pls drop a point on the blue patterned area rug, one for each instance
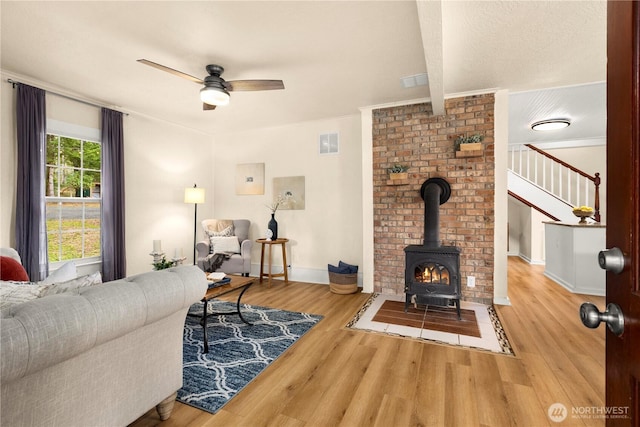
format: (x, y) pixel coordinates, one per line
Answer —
(237, 352)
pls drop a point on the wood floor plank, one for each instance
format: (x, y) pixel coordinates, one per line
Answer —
(491, 393)
(338, 376)
(394, 411)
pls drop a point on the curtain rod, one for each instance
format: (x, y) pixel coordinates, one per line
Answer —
(82, 101)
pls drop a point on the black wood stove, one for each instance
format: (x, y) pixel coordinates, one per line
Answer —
(432, 271)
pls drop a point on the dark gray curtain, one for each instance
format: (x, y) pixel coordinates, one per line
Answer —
(112, 241)
(31, 232)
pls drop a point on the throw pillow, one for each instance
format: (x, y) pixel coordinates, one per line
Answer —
(339, 269)
(224, 244)
(66, 272)
(73, 284)
(216, 225)
(224, 233)
(352, 269)
(12, 293)
(10, 269)
(11, 253)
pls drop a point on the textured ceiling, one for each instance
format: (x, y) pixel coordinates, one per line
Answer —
(585, 106)
(334, 57)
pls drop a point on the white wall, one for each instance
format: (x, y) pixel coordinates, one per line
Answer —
(526, 232)
(161, 159)
(329, 228)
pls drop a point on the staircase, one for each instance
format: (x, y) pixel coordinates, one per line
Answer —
(550, 185)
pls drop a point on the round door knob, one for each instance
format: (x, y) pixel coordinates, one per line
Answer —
(611, 260)
(591, 317)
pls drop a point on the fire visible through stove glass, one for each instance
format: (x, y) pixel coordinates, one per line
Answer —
(432, 273)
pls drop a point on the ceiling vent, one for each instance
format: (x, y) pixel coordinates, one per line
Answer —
(415, 80)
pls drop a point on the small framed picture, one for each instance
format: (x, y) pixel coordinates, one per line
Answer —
(250, 179)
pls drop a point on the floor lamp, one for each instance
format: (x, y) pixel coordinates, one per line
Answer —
(194, 195)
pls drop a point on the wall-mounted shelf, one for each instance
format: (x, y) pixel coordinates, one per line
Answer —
(397, 182)
(469, 153)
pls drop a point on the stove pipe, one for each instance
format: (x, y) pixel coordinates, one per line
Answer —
(434, 192)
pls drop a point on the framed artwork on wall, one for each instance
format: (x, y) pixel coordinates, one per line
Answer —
(250, 179)
(290, 190)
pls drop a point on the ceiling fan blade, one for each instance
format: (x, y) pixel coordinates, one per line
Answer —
(206, 107)
(238, 85)
(170, 70)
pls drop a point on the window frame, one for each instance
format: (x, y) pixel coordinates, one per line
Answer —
(84, 134)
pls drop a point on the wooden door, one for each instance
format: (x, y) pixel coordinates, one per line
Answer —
(623, 207)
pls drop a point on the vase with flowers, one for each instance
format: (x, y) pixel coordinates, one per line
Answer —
(273, 224)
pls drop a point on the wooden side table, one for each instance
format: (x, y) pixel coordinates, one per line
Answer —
(270, 243)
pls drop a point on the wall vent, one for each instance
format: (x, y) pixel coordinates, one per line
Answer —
(329, 143)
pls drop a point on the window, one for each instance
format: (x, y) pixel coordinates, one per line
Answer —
(73, 197)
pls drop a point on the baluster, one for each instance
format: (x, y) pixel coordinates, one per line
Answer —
(560, 181)
(512, 158)
(569, 186)
(520, 160)
(586, 192)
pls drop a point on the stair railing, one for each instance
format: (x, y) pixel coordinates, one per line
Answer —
(555, 176)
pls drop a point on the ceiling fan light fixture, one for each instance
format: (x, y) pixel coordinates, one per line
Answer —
(214, 96)
(550, 124)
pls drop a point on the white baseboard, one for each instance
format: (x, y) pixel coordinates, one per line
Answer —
(308, 275)
(502, 301)
(530, 261)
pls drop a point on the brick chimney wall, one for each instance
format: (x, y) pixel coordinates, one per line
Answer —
(412, 136)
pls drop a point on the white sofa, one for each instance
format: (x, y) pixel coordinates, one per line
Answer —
(98, 356)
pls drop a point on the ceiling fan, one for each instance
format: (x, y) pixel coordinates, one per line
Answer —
(216, 90)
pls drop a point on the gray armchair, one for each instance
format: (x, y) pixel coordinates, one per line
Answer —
(238, 263)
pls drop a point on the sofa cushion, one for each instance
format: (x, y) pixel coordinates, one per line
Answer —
(10, 269)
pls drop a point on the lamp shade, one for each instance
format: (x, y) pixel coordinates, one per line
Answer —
(194, 195)
(214, 96)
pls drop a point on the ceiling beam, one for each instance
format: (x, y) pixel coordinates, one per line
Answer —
(430, 18)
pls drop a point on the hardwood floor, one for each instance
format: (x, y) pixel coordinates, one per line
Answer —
(335, 376)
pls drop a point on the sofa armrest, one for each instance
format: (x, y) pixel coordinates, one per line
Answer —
(46, 331)
(245, 248)
(202, 248)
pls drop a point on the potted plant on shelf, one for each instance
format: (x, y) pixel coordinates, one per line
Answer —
(398, 172)
(469, 142)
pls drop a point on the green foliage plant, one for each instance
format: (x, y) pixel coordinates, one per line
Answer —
(398, 168)
(162, 264)
(468, 139)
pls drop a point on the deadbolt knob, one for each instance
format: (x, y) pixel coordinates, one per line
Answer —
(611, 260)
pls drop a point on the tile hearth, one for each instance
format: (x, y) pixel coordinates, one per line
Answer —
(488, 339)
